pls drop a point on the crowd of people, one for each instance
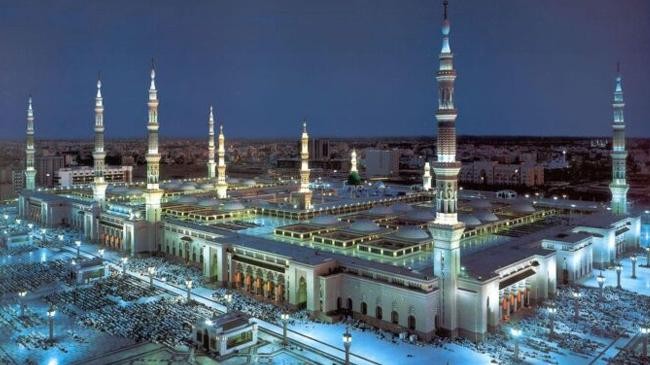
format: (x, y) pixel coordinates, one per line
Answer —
(165, 270)
(30, 276)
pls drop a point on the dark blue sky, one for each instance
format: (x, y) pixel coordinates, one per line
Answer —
(353, 68)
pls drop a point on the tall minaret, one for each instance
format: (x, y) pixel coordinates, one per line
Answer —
(99, 155)
(30, 171)
(353, 161)
(304, 191)
(426, 178)
(618, 186)
(153, 194)
(222, 186)
(211, 164)
(446, 230)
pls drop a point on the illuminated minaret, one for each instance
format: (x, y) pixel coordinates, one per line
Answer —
(353, 161)
(222, 186)
(211, 163)
(446, 230)
(153, 193)
(304, 191)
(426, 178)
(99, 155)
(30, 171)
(618, 186)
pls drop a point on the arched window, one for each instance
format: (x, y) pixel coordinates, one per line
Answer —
(364, 308)
(350, 304)
(394, 317)
(338, 303)
(378, 313)
(411, 322)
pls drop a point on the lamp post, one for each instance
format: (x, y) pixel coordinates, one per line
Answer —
(188, 284)
(78, 244)
(101, 253)
(151, 270)
(601, 282)
(285, 319)
(647, 257)
(516, 332)
(228, 301)
(645, 331)
(633, 259)
(551, 313)
(576, 304)
(50, 315)
(347, 342)
(21, 295)
(124, 260)
(619, 268)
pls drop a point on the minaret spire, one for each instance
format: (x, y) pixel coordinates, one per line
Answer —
(222, 186)
(211, 163)
(446, 230)
(619, 186)
(30, 171)
(153, 194)
(304, 190)
(426, 177)
(353, 161)
(99, 155)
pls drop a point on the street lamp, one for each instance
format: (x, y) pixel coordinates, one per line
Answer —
(601, 282)
(228, 298)
(78, 244)
(347, 342)
(285, 319)
(633, 258)
(619, 268)
(61, 237)
(151, 270)
(22, 295)
(645, 331)
(50, 315)
(551, 312)
(576, 304)
(101, 253)
(516, 332)
(30, 226)
(188, 284)
(124, 260)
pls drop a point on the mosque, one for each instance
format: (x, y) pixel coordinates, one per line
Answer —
(433, 260)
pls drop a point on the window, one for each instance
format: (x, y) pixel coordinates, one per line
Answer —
(411, 322)
(378, 312)
(364, 308)
(394, 317)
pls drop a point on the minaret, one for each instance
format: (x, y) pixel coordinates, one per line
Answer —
(30, 171)
(153, 194)
(426, 178)
(446, 230)
(211, 164)
(618, 186)
(304, 191)
(353, 161)
(99, 155)
(222, 186)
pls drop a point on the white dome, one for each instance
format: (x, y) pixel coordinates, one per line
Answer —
(365, 226)
(486, 216)
(209, 203)
(480, 204)
(411, 233)
(380, 185)
(401, 208)
(325, 220)
(188, 186)
(380, 210)
(233, 205)
(523, 208)
(186, 199)
(206, 186)
(422, 215)
(469, 220)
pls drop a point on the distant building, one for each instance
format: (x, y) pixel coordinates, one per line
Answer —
(382, 162)
(18, 181)
(67, 177)
(494, 173)
(46, 166)
(225, 334)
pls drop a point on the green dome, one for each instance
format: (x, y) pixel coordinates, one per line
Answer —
(354, 179)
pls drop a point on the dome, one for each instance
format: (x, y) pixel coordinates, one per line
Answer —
(422, 215)
(206, 186)
(380, 185)
(380, 210)
(249, 182)
(354, 179)
(188, 186)
(170, 185)
(233, 180)
(233, 205)
(186, 200)
(325, 220)
(209, 203)
(134, 191)
(522, 208)
(469, 220)
(120, 189)
(480, 204)
(411, 233)
(365, 226)
(401, 208)
(486, 216)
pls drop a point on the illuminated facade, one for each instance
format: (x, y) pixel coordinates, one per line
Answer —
(153, 193)
(211, 163)
(99, 155)
(222, 186)
(304, 192)
(619, 186)
(30, 171)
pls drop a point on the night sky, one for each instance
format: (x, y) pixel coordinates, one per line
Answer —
(352, 68)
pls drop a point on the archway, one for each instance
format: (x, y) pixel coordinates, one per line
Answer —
(394, 317)
(411, 323)
(302, 291)
(349, 307)
(364, 308)
(378, 312)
